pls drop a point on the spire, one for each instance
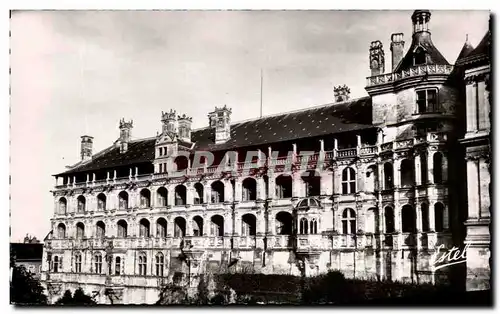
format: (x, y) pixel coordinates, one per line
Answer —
(466, 49)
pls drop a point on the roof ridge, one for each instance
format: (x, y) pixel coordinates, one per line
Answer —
(298, 110)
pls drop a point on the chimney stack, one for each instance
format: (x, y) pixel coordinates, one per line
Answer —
(184, 123)
(397, 49)
(86, 147)
(169, 120)
(220, 120)
(125, 134)
(377, 58)
(341, 93)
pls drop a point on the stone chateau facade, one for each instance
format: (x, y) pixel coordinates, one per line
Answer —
(367, 186)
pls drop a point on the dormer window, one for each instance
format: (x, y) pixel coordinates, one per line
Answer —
(427, 101)
(419, 57)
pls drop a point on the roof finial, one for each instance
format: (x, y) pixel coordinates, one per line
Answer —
(466, 37)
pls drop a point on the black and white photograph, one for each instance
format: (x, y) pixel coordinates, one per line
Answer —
(251, 157)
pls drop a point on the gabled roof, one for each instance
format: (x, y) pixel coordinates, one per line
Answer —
(422, 39)
(316, 121)
(481, 53)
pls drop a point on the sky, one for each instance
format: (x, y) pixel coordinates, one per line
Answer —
(77, 73)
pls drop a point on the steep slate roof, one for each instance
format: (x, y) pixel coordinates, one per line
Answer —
(466, 49)
(481, 53)
(27, 251)
(321, 120)
(421, 39)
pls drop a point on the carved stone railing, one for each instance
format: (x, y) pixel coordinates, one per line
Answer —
(368, 150)
(348, 152)
(431, 69)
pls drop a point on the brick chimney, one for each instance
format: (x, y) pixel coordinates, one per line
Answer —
(125, 134)
(86, 147)
(341, 93)
(397, 49)
(184, 122)
(220, 120)
(377, 58)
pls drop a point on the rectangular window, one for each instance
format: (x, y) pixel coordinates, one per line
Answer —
(427, 101)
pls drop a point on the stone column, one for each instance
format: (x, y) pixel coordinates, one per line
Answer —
(397, 218)
(397, 173)
(432, 217)
(445, 167)
(473, 189)
(430, 167)
(228, 191)
(484, 192)
(296, 185)
(272, 185)
(418, 173)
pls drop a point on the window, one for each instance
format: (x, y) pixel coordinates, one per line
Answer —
(122, 229)
(284, 223)
(180, 195)
(179, 227)
(144, 228)
(197, 226)
(118, 265)
(62, 205)
(78, 263)
(217, 225)
(388, 176)
(101, 201)
(312, 182)
(123, 200)
(284, 186)
(81, 204)
(162, 196)
(181, 163)
(439, 217)
(313, 226)
(161, 228)
(408, 219)
(348, 221)
(98, 264)
(145, 198)
(55, 264)
(407, 173)
(427, 101)
(143, 261)
(159, 264)
(80, 230)
(217, 192)
(303, 226)
(425, 217)
(438, 167)
(249, 191)
(248, 225)
(198, 195)
(348, 181)
(61, 231)
(389, 219)
(100, 229)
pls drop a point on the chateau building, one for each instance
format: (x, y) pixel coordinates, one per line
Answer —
(367, 186)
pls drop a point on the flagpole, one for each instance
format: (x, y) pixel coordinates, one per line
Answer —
(261, 82)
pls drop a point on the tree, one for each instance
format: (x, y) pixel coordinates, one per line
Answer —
(78, 298)
(24, 289)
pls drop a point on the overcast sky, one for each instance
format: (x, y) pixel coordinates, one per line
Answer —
(79, 72)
